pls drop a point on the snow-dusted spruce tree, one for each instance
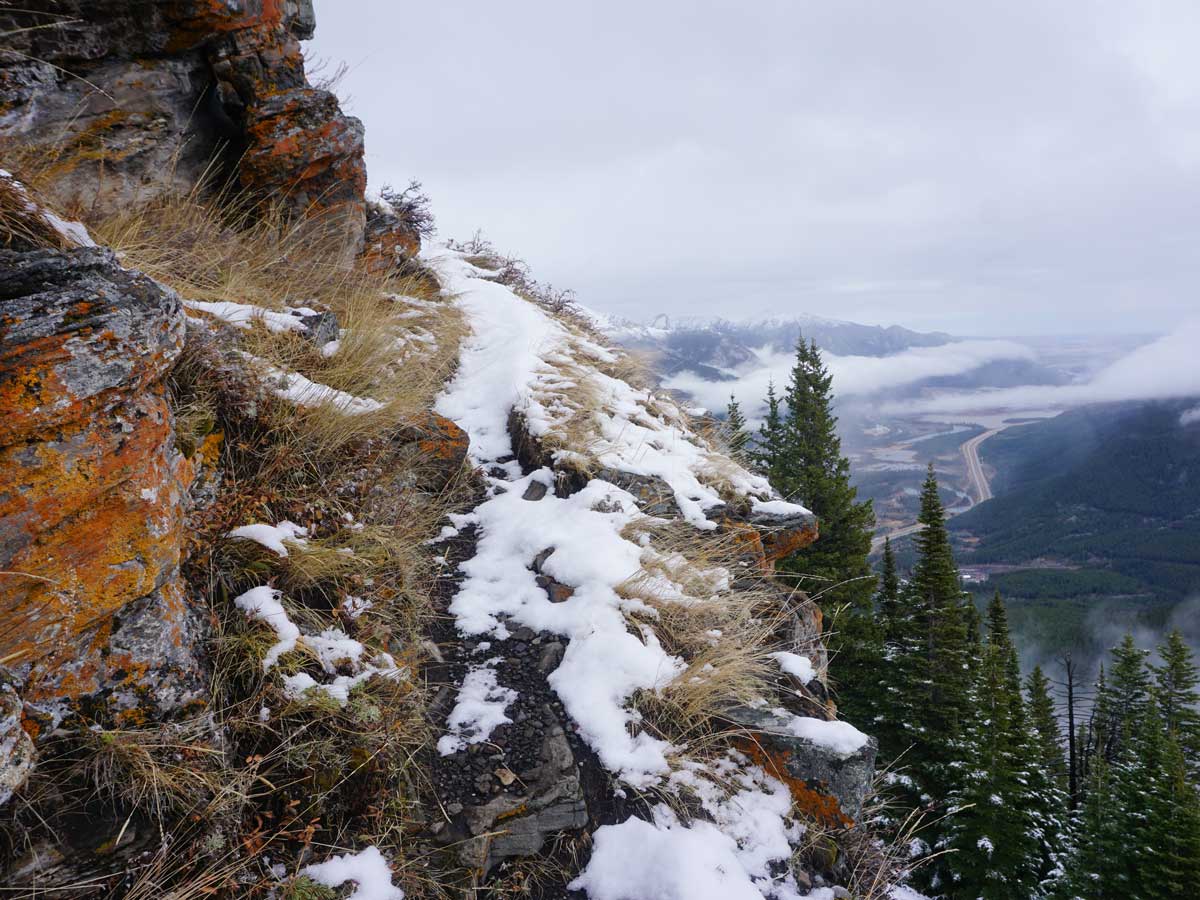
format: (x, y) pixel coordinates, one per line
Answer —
(801, 453)
(929, 669)
(1138, 837)
(735, 425)
(1047, 783)
(933, 666)
(768, 451)
(991, 831)
(1177, 687)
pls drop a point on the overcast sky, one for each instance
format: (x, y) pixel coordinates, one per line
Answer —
(995, 167)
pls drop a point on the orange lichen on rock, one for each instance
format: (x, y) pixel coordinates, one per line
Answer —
(91, 515)
(749, 543)
(780, 544)
(813, 802)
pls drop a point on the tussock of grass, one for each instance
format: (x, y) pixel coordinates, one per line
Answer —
(398, 340)
(725, 628)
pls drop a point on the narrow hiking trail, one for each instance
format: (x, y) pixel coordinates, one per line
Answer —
(559, 607)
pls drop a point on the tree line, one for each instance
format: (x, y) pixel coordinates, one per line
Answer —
(993, 800)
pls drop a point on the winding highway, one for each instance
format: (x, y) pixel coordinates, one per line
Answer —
(970, 452)
(979, 482)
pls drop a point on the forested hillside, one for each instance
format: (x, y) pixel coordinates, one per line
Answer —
(1114, 488)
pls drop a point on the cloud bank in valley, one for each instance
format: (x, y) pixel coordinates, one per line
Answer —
(853, 376)
(1163, 369)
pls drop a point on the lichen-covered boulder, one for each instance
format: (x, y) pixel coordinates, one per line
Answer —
(828, 781)
(93, 499)
(784, 535)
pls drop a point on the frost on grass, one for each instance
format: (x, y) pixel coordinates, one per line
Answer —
(368, 869)
(480, 708)
(273, 537)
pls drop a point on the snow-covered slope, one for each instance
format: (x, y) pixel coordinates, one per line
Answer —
(520, 363)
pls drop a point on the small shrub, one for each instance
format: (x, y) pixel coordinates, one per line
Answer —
(411, 206)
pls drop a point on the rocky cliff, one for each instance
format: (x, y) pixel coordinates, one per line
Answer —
(131, 100)
(341, 559)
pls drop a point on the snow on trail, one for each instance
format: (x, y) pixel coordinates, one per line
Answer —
(520, 358)
(497, 363)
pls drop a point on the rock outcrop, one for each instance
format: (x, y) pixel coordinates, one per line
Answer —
(93, 505)
(129, 100)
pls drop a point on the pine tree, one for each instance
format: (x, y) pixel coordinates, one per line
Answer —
(1045, 725)
(1138, 837)
(1123, 698)
(993, 828)
(940, 680)
(768, 456)
(1047, 783)
(1176, 689)
(812, 469)
(887, 598)
(1176, 827)
(802, 456)
(735, 425)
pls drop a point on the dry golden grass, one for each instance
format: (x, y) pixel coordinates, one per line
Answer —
(164, 770)
(725, 629)
(398, 343)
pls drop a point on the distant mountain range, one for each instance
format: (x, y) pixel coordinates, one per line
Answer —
(711, 347)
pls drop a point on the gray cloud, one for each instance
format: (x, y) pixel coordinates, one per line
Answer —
(999, 167)
(1165, 368)
(853, 376)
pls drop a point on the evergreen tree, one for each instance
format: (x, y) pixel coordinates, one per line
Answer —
(735, 425)
(1122, 699)
(992, 827)
(1139, 835)
(939, 680)
(812, 469)
(1042, 720)
(887, 598)
(768, 456)
(1176, 689)
(802, 456)
(1047, 783)
(1176, 827)
(1093, 869)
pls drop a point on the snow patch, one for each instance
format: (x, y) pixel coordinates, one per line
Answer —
(262, 603)
(800, 667)
(368, 869)
(273, 537)
(481, 706)
(841, 738)
(243, 315)
(604, 664)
